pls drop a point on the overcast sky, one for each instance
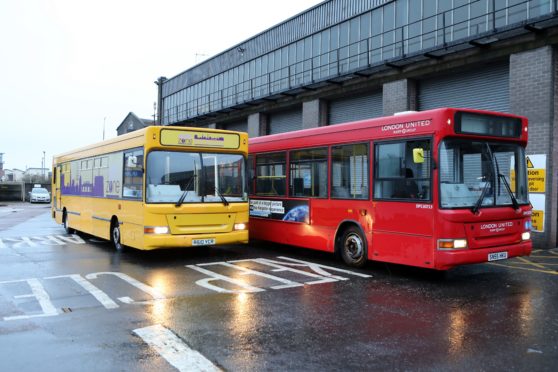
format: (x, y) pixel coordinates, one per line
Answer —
(70, 66)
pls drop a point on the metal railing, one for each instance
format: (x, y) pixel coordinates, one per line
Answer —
(367, 54)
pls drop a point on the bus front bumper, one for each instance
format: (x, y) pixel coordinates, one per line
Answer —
(153, 241)
(446, 259)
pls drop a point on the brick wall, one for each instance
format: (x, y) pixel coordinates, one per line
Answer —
(532, 95)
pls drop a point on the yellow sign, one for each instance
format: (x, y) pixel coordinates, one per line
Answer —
(537, 219)
(529, 163)
(537, 180)
(190, 138)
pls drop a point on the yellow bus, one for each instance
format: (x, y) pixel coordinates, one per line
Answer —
(159, 187)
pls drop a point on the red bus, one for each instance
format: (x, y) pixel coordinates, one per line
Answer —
(432, 189)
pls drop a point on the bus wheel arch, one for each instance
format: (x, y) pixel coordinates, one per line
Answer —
(115, 234)
(351, 244)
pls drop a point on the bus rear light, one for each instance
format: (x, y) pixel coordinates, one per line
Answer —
(452, 244)
(240, 226)
(526, 235)
(158, 230)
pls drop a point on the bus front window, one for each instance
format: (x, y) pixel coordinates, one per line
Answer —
(475, 174)
(188, 177)
(170, 174)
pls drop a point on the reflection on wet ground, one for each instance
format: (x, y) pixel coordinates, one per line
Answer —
(268, 307)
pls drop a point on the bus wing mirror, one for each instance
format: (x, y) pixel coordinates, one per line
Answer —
(418, 155)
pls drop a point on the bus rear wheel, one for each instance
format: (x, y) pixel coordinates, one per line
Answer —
(353, 247)
(115, 236)
(66, 223)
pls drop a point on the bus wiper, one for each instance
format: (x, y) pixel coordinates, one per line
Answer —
(183, 196)
(508, 189)
(225, 201)
(478, 204)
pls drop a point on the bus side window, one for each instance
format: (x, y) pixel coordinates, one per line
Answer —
(308, 173)
(271, 176)
(398, 176)
(133, 174)
(349, 171)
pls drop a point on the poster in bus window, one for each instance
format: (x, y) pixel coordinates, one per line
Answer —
(284, 210)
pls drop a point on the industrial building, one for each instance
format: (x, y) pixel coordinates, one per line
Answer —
(346, 60)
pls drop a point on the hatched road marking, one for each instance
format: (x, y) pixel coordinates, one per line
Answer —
(542, 261)
(174, 350)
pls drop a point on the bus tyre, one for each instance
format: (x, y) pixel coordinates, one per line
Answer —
(66, 223)
(353, 247)
(115, 236)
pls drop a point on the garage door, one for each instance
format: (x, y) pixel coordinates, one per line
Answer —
(285, 121)
(486, 88)
(239, 126)
(355, 108)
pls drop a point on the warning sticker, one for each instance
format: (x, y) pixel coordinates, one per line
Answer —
(536, 173)
(537, 217)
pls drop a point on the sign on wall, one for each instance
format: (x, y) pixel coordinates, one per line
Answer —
(536, 174)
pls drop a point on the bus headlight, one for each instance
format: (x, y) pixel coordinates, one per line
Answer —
(240, 226)
(158, 230)
(452, 244)
(526, 235)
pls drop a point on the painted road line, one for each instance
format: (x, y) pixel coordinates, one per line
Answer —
(552, 272)
(174, 350)
(531, 263)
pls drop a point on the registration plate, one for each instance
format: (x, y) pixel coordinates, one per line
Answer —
(497, 256)
(203, 241)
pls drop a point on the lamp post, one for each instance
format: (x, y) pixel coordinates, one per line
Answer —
(44, 164)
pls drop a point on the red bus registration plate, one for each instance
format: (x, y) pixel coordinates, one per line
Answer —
(497, 256)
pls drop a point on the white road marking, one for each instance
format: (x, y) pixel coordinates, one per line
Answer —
(39, 294)
(101, 296)
(174, 350)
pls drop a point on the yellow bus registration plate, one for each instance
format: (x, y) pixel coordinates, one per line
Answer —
(203, 241)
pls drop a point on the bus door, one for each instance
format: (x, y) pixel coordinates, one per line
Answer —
(403, 210)
(56, 202)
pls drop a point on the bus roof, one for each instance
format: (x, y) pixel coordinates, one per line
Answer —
(129, 140)
(424, 123)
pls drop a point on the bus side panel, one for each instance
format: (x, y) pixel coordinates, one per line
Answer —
(403, 233)
(330, 214)
(78, 212)
(131, 217)
(290, 233)
(402, 249)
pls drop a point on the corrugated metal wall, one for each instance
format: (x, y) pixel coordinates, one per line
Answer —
(285, 121)
(355, 108)
(485, 87)
(307, 23)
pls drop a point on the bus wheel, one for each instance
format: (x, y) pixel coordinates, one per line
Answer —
(353, 247)
(115, 236)
(66, 224)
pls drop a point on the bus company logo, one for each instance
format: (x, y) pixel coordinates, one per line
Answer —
(408, 127)
(496, 227)
(185, 139)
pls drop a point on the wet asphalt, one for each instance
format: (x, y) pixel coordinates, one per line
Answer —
(71, 303)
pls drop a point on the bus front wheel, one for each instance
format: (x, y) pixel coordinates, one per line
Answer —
(115, 236)
(353, 247)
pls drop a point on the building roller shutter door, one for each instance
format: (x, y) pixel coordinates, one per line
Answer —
(485, 88)
(239, 126)
(356, 108)
(285, 121)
